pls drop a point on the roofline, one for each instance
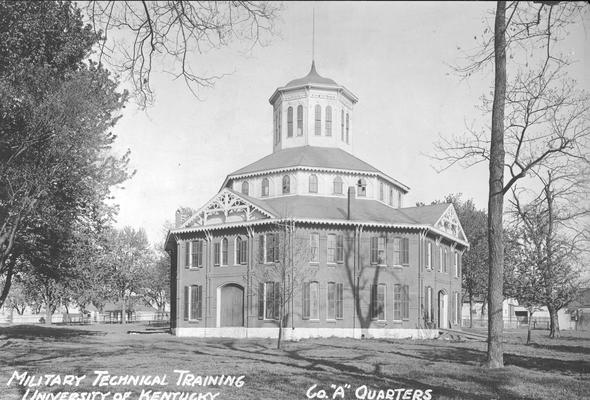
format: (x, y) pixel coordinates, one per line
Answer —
(400, 185)
(351, 96)
(376, 224)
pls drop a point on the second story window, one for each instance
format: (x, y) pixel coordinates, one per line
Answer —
(241, 250)
(347, 128)
(318, 120)
(299, 120)
(245, 188)
(378, 250)
(224, 251)
(290, 122)
(328, 121)
(338, 185)
(314, 248)
(331, 249)
(313, 183)
(286, 184)
(362, 187)
(265, 188)
(401, 251)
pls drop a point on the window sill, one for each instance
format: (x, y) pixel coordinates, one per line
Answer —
(398, 321)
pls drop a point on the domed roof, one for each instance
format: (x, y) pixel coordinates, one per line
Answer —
(311, 78)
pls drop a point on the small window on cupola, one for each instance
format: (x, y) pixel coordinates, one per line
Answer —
(286, 184)
(347, 127)
(245, 188)
(300, 120)
(338, 183)
(318, 120)
(342, 125)
(328, 121)
(290, 122)
(362, 187)
(265, 188)
(313, 183)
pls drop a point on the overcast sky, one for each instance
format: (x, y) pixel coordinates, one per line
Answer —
(394, 56)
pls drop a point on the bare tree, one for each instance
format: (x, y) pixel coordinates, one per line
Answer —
(286, 266)
(175, 32)
(537, 117)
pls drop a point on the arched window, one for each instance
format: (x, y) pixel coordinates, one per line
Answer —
(318, 120)
(245, 188)
(347, 127)
(264, 187)
(290, 122)
(328, 121)
(362, 187)
(381, 192)
(342, 125)
(241, 251)
(338, 185)
(224, 251)
(391, 196)
(313, 183)
(286, 184)
(299, 120)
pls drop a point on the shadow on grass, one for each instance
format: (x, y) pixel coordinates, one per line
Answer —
(44, 332)
(563, 348)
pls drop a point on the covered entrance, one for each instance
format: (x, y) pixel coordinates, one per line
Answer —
(231, 305)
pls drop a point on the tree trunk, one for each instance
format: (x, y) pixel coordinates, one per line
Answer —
(496, 196)
(528, 335)
(123, 309)
(553, 323)
(48, 314)
(470, 311)
(280, 333)
(7, 281)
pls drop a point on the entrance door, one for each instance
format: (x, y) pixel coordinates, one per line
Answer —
(232, 305)
(442, 310)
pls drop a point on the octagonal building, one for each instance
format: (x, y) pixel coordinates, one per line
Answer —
(314, 239)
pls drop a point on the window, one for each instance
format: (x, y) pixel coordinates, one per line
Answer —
(401, 302)
(299, 120)
(401, 251)
(381, 192)
(268, 300)
(459, 265)
(378, 302)
(216, 254)
(224, 251)
(339, 248)
(311, 300)
(428, 255)
(342, 125)
(193, 252)
(338, 185)
(245, 188)
(445, 260)
(318, 120)
(277, 127)
(313, 183)
(335, 300)
(268, 247)
(378, 250)
(347, 127)
(241, 251)
(331, 248)
(286, 184)
(328, 121)
(290, 122)
(314, 247)
(456, 263)
(399, 199)
(428, 305)
(193, 296)
(391, 196)
(362, 187)
(440, 259)
(265, 188)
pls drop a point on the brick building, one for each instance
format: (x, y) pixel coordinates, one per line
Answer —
(352, 260)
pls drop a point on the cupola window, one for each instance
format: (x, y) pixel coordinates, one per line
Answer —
(328, 121)
(299, 120)
(318, 120)
(265, 187)
(347, 127)
(338, 185)
(362, 187)
(290, 122)
(245, 188)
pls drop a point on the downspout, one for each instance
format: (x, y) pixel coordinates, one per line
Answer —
(291, 245)
(358, 255)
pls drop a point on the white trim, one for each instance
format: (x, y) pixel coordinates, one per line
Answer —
(305, 333)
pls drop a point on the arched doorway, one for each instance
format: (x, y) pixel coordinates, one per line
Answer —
(231, 305)
(443, 316)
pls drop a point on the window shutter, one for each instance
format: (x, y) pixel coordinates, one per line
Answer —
(261, 249)
(276, 247)
(187, 254)
(186, 302)
(261, 300)
(277, 299)
(199, 302)
(405, 251)
(373, 305)
(406, 302)
(306, 300)
(339, 301)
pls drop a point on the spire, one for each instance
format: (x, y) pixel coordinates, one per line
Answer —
(313, 39)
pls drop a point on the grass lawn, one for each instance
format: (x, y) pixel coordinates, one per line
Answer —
(548, 369)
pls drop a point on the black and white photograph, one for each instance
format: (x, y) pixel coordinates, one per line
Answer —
(344, 200)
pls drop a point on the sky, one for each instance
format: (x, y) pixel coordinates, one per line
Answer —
(396, 57)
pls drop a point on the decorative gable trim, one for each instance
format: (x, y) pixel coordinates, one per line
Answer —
(226, 202)
(449, 223)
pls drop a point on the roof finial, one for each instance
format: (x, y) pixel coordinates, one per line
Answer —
(313, 38)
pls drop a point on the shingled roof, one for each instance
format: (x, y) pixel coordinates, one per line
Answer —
(313, 157)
